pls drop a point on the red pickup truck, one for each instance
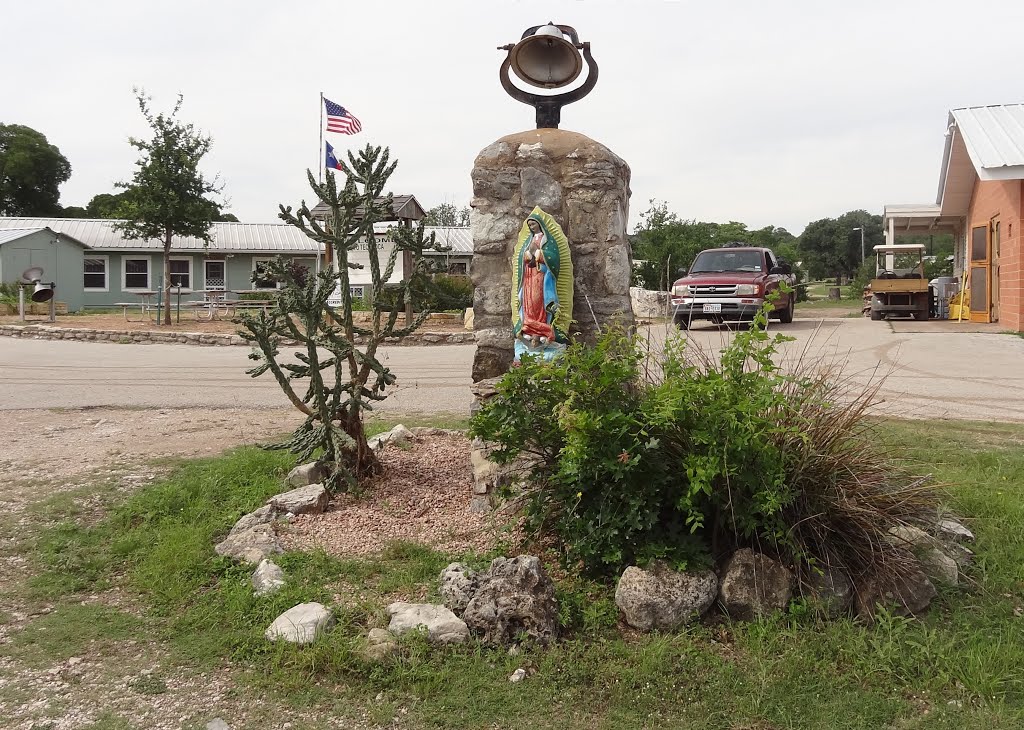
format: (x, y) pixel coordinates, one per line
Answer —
(731, 284)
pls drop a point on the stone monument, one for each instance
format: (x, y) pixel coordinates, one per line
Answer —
(578, 182)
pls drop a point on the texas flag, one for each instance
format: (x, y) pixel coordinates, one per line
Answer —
(332, 162)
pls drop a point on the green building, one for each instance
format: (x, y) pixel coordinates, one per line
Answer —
(59, 255)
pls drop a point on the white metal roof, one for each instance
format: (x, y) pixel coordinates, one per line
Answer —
(230, 237)
(8, 234)
(460, 240)
(916, 218)
(982, 143)
(994, 136)
(233, 237)
(13, 234)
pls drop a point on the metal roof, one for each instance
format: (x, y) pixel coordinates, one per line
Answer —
(459, 239)
(229, 237)
(403, 207)
(917, 218)
(11, 233)
(982, 143)
(994, 136)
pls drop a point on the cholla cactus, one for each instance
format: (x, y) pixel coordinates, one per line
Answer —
(342, 386)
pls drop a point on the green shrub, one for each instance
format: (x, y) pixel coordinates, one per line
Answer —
(9, 293)
(450, 292)
(686, 456)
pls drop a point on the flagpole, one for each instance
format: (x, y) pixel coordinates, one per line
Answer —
(320, 152)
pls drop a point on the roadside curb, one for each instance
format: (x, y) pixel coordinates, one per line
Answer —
(136, 337)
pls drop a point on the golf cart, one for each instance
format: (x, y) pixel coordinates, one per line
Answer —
(899, 286)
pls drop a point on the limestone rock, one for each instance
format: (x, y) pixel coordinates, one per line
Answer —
(301, 624)
(962, 555)
(517, 676)
(515, 598)
(217, 724)
(903, 595)
(649, 304)
(306, 474)
(250, 545)
(664, 599)
(442, 626)
(267, 578)
(953, 530)
(754, 585)
(467, 319)
(380, 643)
(829, 591)
(908, 537)
(458, 585)
(939, 567)
(265, 515)
(311, 499)
(539, 188)
(398, 435)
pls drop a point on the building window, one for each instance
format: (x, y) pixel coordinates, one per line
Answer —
(356, 292)
(136, 273)
(96, 272)
(457, 269)
(261, 277)
(181, 273)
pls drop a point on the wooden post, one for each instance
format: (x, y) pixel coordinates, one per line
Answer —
(406, 276)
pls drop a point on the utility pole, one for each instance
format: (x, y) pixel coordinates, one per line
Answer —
(862, 254)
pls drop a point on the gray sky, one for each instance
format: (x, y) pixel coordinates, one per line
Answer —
(763, 112)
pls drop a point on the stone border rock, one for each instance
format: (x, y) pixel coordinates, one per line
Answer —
(136, 337)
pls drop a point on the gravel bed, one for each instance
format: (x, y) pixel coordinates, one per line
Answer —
(422, 496)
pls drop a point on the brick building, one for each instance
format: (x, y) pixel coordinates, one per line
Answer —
(980, 201)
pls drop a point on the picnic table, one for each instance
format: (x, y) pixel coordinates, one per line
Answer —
(213, 302)
(145, 304)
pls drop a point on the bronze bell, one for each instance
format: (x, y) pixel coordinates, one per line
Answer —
(547, 58)
(42, 292)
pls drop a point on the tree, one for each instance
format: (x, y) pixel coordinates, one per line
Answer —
(663, 243)
(830, 247)
(108, 205)
(31, 172)
(342, 385)
(167, 194)
(446, 215)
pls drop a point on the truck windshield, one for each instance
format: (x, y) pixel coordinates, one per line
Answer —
(721, 261)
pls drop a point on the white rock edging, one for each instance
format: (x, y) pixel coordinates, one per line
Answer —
(301, 624)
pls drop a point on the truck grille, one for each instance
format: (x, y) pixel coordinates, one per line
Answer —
(715, 290)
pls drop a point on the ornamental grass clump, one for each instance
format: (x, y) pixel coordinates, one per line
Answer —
(685, 456)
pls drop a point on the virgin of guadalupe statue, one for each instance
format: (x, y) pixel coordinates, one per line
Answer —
(541, 287)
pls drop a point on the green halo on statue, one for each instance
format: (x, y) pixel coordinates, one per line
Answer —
(542, 284)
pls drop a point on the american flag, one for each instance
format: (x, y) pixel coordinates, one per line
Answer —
(340, 120)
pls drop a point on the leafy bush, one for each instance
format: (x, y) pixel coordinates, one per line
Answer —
(687, 456)
(9, 293)
(450, 292)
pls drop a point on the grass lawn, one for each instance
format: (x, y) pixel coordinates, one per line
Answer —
(960, 666)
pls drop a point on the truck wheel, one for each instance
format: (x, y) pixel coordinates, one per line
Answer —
(786, 315)
(876, 316)
(920, 316)
(682, 324)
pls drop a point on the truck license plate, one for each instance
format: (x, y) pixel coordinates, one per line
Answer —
(713, 308)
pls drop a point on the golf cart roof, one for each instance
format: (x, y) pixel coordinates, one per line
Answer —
(900, 247)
